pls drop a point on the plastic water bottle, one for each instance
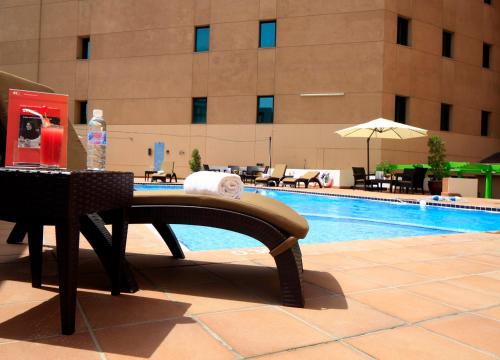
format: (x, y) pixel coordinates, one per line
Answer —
(96, 141)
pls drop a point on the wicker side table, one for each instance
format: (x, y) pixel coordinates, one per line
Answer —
(36, 198)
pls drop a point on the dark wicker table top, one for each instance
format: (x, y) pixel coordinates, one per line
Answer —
(53, 194)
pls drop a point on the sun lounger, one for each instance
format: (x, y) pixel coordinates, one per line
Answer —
(276, 176)
(308, 177)
(271, 222)
(169, 173)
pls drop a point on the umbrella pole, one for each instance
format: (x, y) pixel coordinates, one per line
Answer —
(368, 156)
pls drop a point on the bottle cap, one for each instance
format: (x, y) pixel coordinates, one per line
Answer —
(97, 113)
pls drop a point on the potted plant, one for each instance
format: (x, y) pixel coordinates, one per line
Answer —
(437, 164)
(382, 169)
(195, 162)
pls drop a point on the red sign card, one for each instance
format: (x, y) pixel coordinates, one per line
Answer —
(24, 125)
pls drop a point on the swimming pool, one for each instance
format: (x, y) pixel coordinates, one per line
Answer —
(338, 219)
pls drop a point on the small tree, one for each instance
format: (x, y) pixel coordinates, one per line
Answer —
(436, 157)
(195, 162)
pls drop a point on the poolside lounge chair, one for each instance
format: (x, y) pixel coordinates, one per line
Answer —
(276, 176)
(169, 173)
(269, 221)
(361, 177)
(207, 168)
(308, 177)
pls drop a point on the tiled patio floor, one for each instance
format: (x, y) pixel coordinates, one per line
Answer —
(415, 298)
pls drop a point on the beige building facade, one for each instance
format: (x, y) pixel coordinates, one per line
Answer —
(335, 63)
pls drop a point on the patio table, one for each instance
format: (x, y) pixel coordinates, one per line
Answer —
(35, 198)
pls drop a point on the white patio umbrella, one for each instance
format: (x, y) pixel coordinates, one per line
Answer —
(381, 129)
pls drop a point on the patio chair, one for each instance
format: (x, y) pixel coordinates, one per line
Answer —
(269, 221)
(308, 177)
(168, 173)
(361, 177)
(413, 179)
(207, 168)
(234, 169)
(276, 176)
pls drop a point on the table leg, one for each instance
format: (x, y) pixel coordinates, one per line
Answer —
(118, 244)
(35, 243)
(67, 242)
(17, 234)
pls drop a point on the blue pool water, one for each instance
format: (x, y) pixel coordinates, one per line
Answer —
(337, 219)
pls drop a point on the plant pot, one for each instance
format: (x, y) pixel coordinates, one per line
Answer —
(435, 187)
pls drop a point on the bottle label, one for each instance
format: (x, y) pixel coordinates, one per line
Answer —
(96, 137)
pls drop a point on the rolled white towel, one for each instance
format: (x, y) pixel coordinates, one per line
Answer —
(214, 183)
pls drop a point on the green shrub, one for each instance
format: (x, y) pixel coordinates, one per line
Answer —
(437, 157)
(195, 162)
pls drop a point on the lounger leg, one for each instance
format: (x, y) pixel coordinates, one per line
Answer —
(92, 227)
(289, 264)
(17, 234)
(35, 243)
(170, 239)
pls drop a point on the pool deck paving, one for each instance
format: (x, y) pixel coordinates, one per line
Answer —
(428, 297)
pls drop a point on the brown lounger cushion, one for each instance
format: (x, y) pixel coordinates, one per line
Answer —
(267, 209)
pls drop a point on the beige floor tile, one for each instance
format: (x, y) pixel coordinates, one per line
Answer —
(493, 275)
(338, 282)
(342, 317)
(210, 297)
(485, 259)
(413, 343)
(262, 330)
(74, 347)
(337, 261)
(394, 256)
(177, 339)
(333, 350)
(493, 313)
(454, 295)
(167, 277)
(105, 310)
(473, 330)
(12, 291)
(386, 275)
(403, 304)
(32, 320)
(444, 268)
(479, 283)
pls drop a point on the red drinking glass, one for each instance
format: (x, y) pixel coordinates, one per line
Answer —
(51, 145)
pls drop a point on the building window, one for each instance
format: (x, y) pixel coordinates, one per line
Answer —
(202, 38)
(447, 43)
(486, 55)
(267, 34)
(485, 119)
(265, 109)
(199, 111)
(84, 47)
(81, 112)
(400, 109)
(445, 117)
(403, 32)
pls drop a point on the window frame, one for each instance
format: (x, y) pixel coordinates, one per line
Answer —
(397, 112)
(196, 28)
(486, 55)
(485, 122)
(449, 53)
(399, 35)
(261, 23)
(193, 112)
(258, 119)
(446, 110)
(82, 115)
(83, 47)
